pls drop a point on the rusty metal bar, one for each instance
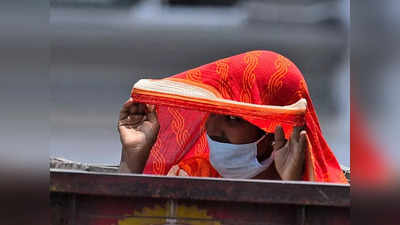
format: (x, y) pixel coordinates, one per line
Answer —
(207, 189)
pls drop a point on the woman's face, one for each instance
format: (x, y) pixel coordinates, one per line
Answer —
(235, 130)
(231, 129)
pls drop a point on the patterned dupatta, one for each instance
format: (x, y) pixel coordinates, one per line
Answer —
(256, 77)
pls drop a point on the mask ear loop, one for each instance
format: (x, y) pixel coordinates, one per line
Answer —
(267, 162)
(261, 138)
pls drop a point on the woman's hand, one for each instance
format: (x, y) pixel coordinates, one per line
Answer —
(290, 155)
(138, 127)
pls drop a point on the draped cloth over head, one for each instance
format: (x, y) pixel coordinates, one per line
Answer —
(256, 77)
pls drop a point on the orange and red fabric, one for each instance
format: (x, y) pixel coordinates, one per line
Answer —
(257, 77)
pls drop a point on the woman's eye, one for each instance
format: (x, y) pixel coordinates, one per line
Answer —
(233, 118)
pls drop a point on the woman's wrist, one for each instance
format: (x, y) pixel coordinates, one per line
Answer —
(133, 160)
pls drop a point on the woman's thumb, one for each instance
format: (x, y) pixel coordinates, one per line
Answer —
(151, 113)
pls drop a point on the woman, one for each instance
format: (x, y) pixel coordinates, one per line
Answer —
(173, 141)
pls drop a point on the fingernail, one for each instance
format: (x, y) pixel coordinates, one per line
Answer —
(150, 107)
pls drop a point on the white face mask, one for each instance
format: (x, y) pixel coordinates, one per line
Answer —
(237, 160)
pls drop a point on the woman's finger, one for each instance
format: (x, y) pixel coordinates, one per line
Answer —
(295, 134)
(303, 141)
(138, 108)
(124, 112)
(127, 105)
(151, 113)
(150, 108)
(279, 138)
(135, 118)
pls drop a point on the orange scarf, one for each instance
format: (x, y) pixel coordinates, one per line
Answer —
(256, 77)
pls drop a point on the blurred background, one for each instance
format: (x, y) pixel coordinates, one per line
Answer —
(100, 48)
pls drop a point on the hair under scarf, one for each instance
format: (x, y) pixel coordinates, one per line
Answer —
(257, 77)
